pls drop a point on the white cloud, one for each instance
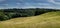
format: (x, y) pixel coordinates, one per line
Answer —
(43, 4)
(18, 3)
(53, 1)
(5, 5)
(2, 0)
(38, 7)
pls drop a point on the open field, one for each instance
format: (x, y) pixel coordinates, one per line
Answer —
(47, 20)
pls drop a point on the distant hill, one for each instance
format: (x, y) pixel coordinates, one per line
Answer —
(47, 20)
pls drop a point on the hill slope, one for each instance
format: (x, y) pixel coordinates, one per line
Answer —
(47, 20)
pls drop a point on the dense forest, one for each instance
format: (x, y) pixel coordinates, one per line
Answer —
(6, 14)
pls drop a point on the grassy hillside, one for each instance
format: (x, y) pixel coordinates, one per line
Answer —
(47, 20)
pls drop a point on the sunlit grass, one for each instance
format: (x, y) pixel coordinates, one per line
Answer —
(47, 20)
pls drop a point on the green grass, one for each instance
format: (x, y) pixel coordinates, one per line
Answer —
(47, 20)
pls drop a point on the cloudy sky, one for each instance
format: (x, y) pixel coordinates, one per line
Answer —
(30, 4)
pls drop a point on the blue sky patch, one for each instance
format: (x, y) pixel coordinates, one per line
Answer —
(30, 4)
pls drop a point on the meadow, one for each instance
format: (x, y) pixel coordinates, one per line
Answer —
(29, 18)
(46, 20)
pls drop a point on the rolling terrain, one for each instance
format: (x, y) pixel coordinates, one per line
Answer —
(47, 20)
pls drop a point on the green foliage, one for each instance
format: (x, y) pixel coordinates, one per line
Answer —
(6, 14)
(3, 16)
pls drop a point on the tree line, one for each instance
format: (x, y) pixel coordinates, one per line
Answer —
(6, 14)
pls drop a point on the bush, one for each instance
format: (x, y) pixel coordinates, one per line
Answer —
(3, 16)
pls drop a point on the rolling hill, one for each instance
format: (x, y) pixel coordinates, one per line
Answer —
(47, 20)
